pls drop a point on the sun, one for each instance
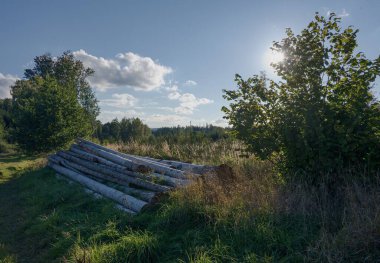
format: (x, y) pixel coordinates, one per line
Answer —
(273, 56)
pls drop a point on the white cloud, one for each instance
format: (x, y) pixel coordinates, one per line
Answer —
(154, 120)
(175, 95)
(120, 100)
(188, 103)
(344, 13)
(166, 119)
(6, 81)
(165, 108)
(126, 69)
(106, 115)
(220, 122)
(173, 87)
(190, 83)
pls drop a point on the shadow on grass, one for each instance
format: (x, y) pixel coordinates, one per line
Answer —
(13, 158)
(47, 219)
(42, 217)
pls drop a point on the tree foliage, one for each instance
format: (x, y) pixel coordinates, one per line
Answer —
(134, 129)
(124, 130)
(68, 72)
(54, 104)
(321, 116)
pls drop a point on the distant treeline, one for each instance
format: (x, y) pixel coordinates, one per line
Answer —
(134, 129)
(127, 129)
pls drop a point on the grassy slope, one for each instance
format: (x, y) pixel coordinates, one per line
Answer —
(46, 219)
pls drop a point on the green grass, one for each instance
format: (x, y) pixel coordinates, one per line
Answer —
(45, 218)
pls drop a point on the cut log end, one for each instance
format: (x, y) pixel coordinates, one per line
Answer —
(143, 169)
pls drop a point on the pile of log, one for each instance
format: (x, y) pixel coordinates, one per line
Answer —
(130, 180)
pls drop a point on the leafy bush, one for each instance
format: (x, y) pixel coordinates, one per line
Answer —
(321, 116)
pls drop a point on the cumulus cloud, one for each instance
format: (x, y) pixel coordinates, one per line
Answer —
(6, 81)
(126, 69)
(175, 95)
(188, 103)
(220, 122)
(120, 100)
(172, 88)
(190, 83)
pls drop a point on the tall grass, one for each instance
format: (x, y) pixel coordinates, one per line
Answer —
(246, 214)
(329, 226)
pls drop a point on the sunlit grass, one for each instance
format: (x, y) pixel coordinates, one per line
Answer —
(248, 215)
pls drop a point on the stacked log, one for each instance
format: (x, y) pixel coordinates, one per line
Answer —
(132, 181)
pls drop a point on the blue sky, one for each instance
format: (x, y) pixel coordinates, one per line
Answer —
(165, 61)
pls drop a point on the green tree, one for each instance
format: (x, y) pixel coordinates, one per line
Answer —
(321, 116)
(134, 129)
(68, 72)
(114, 130)
(53, 105)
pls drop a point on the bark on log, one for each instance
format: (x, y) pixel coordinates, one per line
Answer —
(117, 159)
(80, 152)
(106, 170)
(155, 166)
(141, 194)
(194, 168)
(121, 198)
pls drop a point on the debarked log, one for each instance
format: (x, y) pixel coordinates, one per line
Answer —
(79, 152)
(141, 194)
(117, 159)
(121, 198)
(194, 168)
(155, 166)
(107, 171)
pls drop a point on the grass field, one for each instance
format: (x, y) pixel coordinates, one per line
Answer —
(247, 217)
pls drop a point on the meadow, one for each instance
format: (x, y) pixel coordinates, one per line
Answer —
(248, 214)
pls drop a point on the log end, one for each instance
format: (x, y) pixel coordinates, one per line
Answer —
(143, 169)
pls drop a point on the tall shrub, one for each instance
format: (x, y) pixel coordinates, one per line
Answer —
(321, 115)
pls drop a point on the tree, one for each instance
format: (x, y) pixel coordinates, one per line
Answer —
(115, 129)
(70, 73)
(54, 104)
(134, 129)
(321, 116)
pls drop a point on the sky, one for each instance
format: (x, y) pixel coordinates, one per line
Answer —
(165, 61)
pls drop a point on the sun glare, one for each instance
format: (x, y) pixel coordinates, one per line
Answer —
(273, 57)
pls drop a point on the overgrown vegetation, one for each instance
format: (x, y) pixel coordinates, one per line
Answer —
(321, 117)
(251, 216)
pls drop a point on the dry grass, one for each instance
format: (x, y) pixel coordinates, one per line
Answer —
(248, 214)
(343, 225)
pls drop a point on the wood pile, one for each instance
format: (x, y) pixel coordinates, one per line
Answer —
(130, 180)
